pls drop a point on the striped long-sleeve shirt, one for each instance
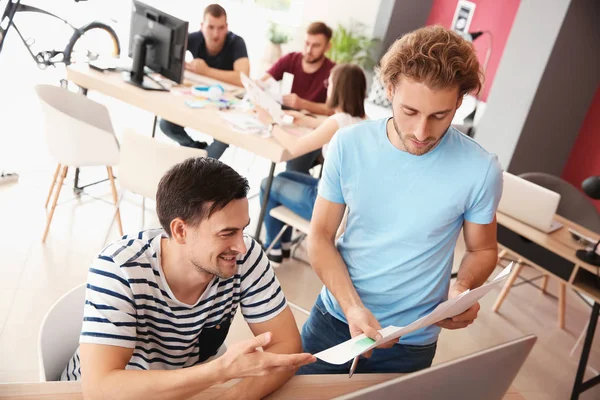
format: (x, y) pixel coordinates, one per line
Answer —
(129, 304)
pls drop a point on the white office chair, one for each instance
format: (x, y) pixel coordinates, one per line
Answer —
(59, 335)
(293, 220)
(79, 133)
(144, 161)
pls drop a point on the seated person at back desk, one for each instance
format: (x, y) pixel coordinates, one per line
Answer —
(159, 304)
(346, 92)
(218, 54)
(311, 70)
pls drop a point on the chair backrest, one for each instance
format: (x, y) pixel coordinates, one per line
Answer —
(59, 334)
(145, 160)
(574, 204)
(79, 131)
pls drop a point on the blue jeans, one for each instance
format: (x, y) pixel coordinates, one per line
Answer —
(322, 331)
(178, 134)
(296, 191)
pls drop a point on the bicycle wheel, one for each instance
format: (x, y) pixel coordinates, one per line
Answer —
(92, 41)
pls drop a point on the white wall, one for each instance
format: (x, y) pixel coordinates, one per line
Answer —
(334, 12)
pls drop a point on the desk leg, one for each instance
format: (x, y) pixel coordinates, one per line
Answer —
(580, 386)
(76, 187)
(263, 207)
(154, 125)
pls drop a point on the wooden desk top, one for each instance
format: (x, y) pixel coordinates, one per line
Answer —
(299, 387)
(172, 107)
(559, 242)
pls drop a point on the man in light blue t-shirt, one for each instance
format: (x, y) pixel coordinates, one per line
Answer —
(411, 183)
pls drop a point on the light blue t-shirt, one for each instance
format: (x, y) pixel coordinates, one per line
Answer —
(405, 215)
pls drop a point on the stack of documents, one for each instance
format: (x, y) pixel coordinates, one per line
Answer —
(243, 122)
(344, 352)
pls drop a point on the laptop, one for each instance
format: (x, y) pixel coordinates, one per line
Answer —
(529, 203)
(487, 374)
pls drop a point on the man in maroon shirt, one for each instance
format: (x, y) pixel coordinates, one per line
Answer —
(311, 71)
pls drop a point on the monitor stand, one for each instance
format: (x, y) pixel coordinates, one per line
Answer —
(137, 74)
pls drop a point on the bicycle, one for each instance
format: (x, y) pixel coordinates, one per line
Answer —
(46, 58)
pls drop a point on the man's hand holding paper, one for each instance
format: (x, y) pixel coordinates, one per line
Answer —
(462, 320)
(463, 305)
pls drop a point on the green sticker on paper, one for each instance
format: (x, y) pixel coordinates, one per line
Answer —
(362, 345)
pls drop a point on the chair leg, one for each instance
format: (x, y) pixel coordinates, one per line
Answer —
(511, 280)
(544, 286)
(276, 239)
(112, 221)
(562, 303)
(579, 339)
(115, 198)
(143, 213)
(63, 175)
(501, 254)
(297, 244)
(52, 185)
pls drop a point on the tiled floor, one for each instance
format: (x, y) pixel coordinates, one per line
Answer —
(33, 276)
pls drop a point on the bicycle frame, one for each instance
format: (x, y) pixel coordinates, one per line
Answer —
(42, 58)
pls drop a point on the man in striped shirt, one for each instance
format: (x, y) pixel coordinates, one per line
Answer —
(159, 304)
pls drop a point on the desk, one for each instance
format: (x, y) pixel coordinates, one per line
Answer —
(299, 387)
(554, 254)
(173, 108)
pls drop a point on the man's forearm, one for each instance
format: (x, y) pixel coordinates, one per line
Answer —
(316, 108)
(333, 272)
(260, 386)
(174, 384)
(231, 77)
(476, 267)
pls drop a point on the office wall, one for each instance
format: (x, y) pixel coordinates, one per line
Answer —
(584, 159)
(371, 13)
(403, 16)
(490, 15)
(333, 12)
(519, 74)
(564, 94)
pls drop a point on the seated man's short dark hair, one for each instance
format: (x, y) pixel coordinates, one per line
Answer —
(320, 28)
(215, 10)
(195, 188)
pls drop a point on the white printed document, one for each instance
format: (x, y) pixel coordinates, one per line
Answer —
(259, 97)
(346, 351)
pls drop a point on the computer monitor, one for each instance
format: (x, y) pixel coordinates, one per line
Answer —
(487, 374)
(158, 41)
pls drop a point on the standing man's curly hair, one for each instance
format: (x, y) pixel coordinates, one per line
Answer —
(436, 56)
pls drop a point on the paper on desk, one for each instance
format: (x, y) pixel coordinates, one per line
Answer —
(346, 351)
(243, 122)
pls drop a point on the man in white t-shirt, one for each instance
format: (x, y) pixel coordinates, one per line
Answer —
(159, 304)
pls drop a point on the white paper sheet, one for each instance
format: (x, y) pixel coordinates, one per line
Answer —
(286, 83)
(259, 97)
(243, 122)
(346, 351)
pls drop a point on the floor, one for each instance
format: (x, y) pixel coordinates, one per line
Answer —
(34, 276)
